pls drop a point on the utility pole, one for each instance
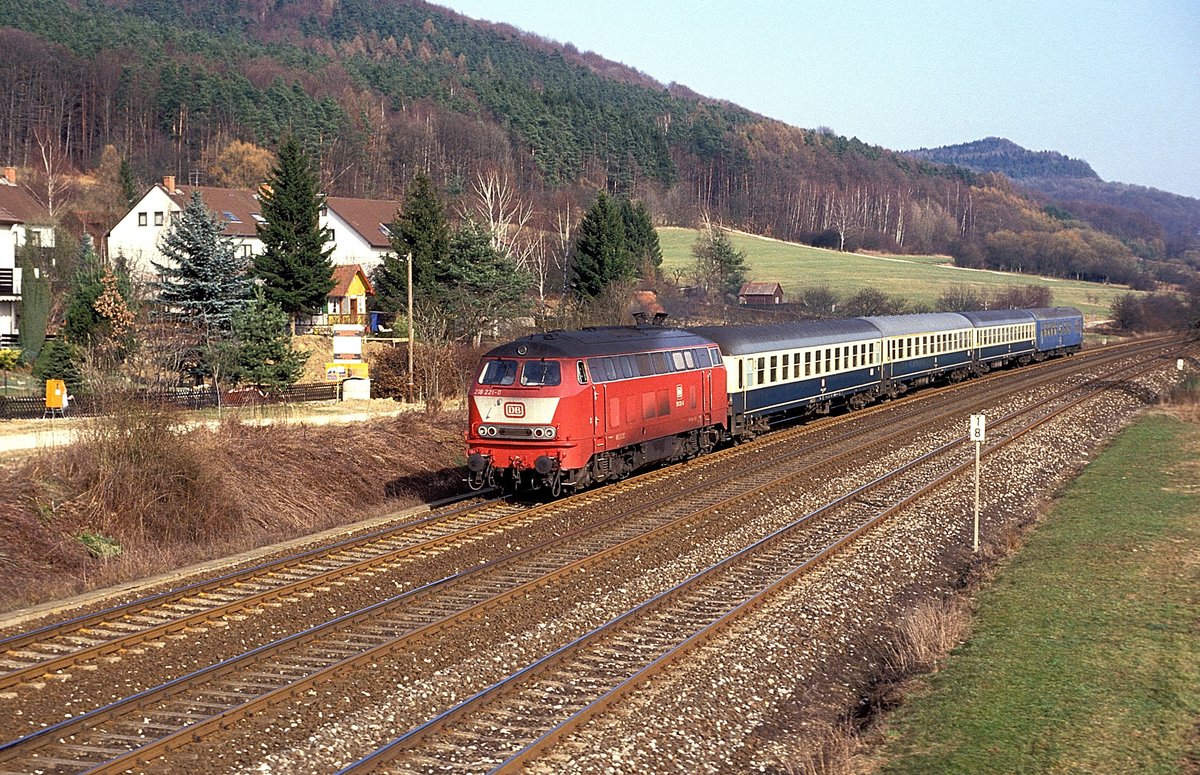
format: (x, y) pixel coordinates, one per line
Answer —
(411, 333)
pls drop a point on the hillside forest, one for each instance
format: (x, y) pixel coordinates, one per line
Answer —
(104, 97)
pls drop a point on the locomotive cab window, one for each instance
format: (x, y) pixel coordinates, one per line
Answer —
(541, 373)
(581, 373)
(498, 372)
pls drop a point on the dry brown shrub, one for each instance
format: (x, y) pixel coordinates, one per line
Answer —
(1183, 401)
(171, 496)
(924, 634)
(832, 751)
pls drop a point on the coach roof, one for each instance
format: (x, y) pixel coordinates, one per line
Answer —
(998, 317)
(741, 340)
(924, 323)
(610, 340)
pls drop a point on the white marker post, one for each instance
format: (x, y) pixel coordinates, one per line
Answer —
(978, 435)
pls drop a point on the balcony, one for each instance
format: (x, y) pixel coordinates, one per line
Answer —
(10, 282)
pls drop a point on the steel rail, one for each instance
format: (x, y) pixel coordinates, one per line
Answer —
(548, 663)
(59, 729)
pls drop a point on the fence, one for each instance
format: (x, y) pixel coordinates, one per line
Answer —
(33, 407)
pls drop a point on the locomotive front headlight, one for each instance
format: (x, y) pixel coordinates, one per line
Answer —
(551, 432)
(538, 433)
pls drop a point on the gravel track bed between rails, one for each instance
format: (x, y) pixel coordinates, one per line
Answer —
(85, 687)
(831, 639)
(760, 697)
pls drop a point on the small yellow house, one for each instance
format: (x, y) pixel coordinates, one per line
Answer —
(346, 304)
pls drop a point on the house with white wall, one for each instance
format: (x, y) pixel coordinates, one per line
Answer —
(359, 226)
(22, 222)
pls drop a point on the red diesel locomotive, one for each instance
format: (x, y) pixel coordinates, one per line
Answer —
(598, 403)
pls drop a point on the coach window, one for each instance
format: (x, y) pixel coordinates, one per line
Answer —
(761, 366)
(774, 368)
(837, 359)
(498, 372)
(581, 373)
(541, 373)
(828, 360)
(808, 363)
(784, 364)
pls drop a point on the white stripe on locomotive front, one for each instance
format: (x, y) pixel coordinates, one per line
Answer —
(534, 411)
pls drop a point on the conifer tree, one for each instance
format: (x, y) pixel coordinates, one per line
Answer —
(601, 253)
(719, 267)
(294, 264)
(641, 238)
(82, 320)
(35, 304)
(59, 360)
(204, 279)
(264, 354)
(420, 230)
(483, 285)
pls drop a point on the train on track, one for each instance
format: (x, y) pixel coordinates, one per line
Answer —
(568, 409)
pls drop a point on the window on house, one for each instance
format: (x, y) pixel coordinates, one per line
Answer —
(143, 219)
(158, 218)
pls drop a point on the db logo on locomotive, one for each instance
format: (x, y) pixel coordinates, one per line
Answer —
(514, 410)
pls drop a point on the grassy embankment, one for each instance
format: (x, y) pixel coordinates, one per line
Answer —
(1084, 654)
(921, 279)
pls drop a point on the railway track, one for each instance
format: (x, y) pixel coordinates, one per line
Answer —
(505, 726)
(180, 711)
(27, 656)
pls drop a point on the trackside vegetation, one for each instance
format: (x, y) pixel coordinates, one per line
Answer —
(1083, 656)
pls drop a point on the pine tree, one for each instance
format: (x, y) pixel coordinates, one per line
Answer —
(264, 353)
(719, 267)
(420, 230)
(601, 253)
(204, 279)
(641, 238)
(483, 285)
(294, 264)
(129, 188)
(59, 360)
(82, 322)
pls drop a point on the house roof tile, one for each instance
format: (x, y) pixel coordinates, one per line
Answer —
(17, 206)
(236, 207)
(366, 216)
(344, 274)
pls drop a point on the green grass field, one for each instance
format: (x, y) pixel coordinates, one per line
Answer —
(920, 279)
(1084, 655)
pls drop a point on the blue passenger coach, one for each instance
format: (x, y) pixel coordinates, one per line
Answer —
(1002, 335)
(919, 348)
(1059, 330)
(788, 369)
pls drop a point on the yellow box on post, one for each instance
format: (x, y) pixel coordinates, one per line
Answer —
(56, 398)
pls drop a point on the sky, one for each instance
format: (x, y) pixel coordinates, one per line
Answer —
(1114, 83)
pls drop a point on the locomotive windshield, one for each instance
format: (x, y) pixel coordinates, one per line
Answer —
(541, 373)
(498, 372)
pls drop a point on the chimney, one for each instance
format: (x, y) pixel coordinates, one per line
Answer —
(10, 174)
(169, 183)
